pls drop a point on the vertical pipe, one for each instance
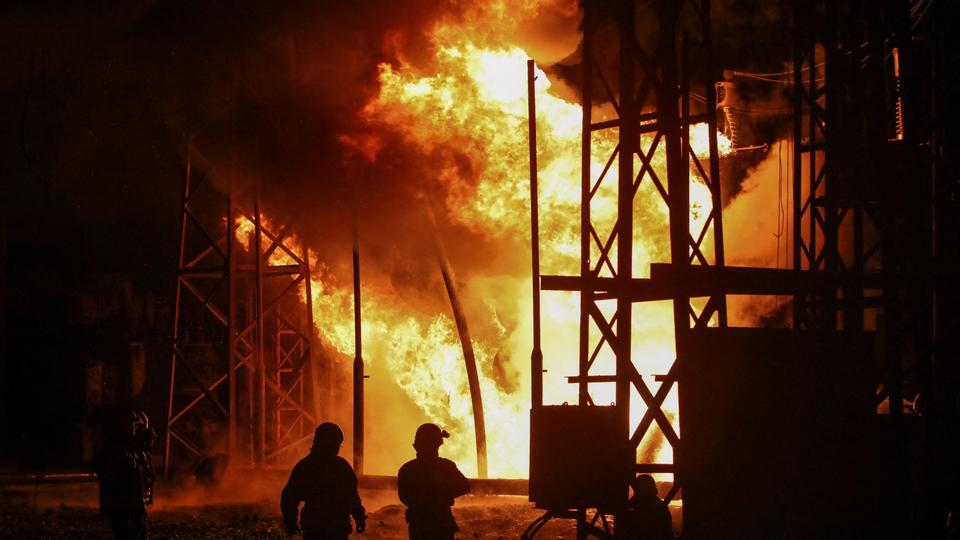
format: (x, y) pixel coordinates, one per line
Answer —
(251, 396)
(678, 176)
(312, 361)
(469, 358)
(715, 184)
(232, 359)
(836, 72)
(536, 357)
(261, 375)
(358, 366)
(812, 263)
(629, 139)
(798, 48)
(938, 218)
(586, 104)
(276, 363)
(175, 335)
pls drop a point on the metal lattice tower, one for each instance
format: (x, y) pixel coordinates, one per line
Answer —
(859, 222)
(242, 380)
(874, 216)
(652, 99)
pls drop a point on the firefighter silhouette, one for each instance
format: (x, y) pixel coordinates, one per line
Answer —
(327, 486)
(647, 517)
(125, 474)
(428, 485)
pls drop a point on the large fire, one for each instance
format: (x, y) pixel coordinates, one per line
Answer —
(474, 99)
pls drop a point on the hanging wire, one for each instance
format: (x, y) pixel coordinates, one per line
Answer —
(774, 74)
(779, 77)
(780, 216)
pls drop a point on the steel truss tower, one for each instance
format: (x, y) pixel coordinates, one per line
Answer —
(875, 215)
(650, 85)
(874, 227)
(242, 380)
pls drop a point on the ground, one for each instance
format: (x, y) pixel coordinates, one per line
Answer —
(247, 509)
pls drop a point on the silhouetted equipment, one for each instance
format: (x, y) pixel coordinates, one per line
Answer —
(578, 458)
(728, 101)
(873, 298)
(780, 435)
(241, 363)
(876, 200)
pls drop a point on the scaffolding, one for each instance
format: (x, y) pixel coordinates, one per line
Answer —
(243, 382)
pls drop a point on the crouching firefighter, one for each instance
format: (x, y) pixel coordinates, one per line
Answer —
(327, 486)
(125, 474)
(428, 485)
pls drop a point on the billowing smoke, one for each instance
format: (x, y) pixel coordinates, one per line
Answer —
(294, 96)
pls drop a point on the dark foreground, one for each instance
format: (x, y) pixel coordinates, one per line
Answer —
(242, 511)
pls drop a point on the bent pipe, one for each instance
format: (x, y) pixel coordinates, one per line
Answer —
(473, 379)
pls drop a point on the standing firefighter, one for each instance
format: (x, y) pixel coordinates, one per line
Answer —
(327, 486)
(125, 473)
(648, 516)
(428, 485)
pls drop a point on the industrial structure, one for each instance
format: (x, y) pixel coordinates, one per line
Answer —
(242, 380)
(768, 417)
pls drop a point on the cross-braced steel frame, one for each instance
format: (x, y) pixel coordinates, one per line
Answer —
(870, 200)
(870, 205)
(861, 201)
(653, 113)
(241, 362)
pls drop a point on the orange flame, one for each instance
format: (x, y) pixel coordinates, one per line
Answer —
(476, 101)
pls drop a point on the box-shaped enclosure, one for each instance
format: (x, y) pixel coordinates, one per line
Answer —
(579, 457)
(780, 439)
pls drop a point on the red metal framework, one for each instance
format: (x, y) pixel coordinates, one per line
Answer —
(231, 377)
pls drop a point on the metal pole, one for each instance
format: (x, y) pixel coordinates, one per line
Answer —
(176, 317)
(473, 377)
(536, 357)
(629, 142)
(231, 316)
(261, 376)
(798, 48)
(586, 295)
(715, 185)
(675, 132)
(312, 361)
(357, 360)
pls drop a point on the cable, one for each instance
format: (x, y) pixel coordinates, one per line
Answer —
(780, 216)
(775, 74)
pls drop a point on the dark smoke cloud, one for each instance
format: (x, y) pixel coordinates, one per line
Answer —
(106, 97)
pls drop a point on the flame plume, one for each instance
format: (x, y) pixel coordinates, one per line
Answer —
(467, 115)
